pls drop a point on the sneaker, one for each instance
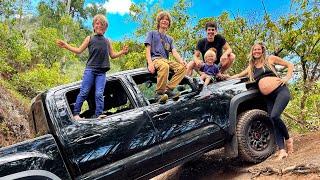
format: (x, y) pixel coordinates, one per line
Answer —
(161, 98)
(173, 95)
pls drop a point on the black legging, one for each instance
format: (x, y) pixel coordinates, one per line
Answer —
(276, 103)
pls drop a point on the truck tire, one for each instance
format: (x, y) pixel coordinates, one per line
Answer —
(255, 135)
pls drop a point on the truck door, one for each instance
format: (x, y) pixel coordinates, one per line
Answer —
(184, 126)
(111, 146)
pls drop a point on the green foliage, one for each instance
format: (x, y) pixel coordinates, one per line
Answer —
(299, 34)
(14, 55)
(49, 13)
(311, 111)
(134, 59)
(94, 9)
(7, 8)
(46, 48)
(40, 78)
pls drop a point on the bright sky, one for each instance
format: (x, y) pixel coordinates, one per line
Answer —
(120, 26)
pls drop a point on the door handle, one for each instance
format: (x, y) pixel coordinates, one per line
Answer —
(161, 116)
(88, 139)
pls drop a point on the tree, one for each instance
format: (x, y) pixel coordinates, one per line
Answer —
(16, 56)
(299, 34)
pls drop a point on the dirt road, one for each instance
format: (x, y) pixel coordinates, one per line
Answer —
(303, 164)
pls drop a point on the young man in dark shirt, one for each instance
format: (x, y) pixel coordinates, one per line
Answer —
(225, 57)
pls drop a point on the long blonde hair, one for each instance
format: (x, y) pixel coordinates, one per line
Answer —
(263, 59)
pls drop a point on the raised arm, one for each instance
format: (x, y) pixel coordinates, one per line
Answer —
(196, 57)
(117, 54)
(277, 60)
(76, 50)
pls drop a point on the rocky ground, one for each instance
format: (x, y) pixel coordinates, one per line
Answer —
(303, 164)
(14, 126)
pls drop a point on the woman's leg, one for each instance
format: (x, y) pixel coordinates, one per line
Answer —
(281, 101)
(282, 97)
(277, 133)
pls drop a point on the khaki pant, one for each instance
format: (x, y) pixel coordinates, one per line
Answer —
(163, 66)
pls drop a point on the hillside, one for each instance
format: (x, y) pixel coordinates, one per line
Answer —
(13, 119)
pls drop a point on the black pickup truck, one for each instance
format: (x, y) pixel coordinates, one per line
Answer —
(139, 138)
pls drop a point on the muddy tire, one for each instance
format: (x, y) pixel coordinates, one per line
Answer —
(255, 136)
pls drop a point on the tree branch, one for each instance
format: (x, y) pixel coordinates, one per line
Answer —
(301, 123)
(314, 45)
(314, 70)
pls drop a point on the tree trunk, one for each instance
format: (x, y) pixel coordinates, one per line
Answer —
(68, 7)
(305, 90)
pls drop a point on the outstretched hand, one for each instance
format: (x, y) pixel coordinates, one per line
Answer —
(223, 76)
(125, 49)
(61, 43)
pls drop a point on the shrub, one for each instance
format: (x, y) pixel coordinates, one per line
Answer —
(30, 83)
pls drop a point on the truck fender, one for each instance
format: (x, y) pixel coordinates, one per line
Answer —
(32, 174)
(34, 159)
(231, 147)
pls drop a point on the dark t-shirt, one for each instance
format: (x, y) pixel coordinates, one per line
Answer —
(218, 43)
(98, 53)
(211, 70)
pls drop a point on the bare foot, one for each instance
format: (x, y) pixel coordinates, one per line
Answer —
(77, 117)
(289, 145)
(282, 154)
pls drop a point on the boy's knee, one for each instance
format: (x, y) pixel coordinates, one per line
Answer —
(182, 70)
(163, 67)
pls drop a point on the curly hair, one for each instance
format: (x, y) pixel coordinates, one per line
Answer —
(161, 15)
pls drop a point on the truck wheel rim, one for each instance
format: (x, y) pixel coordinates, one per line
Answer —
(259, 135)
